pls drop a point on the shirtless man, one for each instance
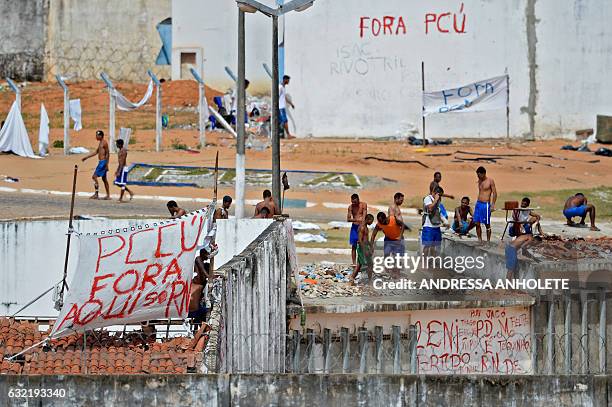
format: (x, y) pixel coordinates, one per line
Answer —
(432, 186)
(525, 220)
(263, 213)
(356, 214)
(577, 205)
(122, 171)
(175, 211)
(512, 248)
(396, 210)
(269, 203)
(197, 310)
(102, 168)
(364, 249)
(461, 225)
(487, 196)
(223, 211)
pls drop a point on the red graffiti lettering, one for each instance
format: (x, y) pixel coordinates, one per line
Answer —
(94, 285)
(130, 245)
(172, 269)
(158, 252)
(150, 278)
(130, 288)
(101, 251)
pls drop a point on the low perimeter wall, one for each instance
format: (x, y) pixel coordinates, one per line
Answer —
(312, 390)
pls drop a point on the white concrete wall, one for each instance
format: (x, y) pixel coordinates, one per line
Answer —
(348, 84)
(211, 27)
(574, 54)
(368, 86)
(32, 256)
(233, 236)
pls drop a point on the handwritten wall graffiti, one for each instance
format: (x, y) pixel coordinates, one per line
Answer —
(474, 341)
(387, 25)
(359, 59)
(445, 22)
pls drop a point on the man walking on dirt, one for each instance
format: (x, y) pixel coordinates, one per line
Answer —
(122, 171)
(102, 168)
(282, 106)
(487, 196)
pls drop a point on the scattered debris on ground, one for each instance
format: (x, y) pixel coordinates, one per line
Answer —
(327, 280)
(388, 160)
(558, 247)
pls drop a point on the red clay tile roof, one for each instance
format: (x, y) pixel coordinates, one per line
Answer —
(104, 353)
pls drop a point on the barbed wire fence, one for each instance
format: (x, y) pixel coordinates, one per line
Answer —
(372, 352)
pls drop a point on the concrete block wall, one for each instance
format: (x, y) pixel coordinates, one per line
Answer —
(312, 390)
(80, 38)
(23, 31)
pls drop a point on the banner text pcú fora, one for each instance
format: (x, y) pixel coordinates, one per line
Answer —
(134, 276)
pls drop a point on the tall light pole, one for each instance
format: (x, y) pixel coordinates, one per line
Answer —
(62, 83)
(252, 6)
(202, 107)
(240, 178)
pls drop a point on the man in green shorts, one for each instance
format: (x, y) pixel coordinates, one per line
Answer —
(364, 249)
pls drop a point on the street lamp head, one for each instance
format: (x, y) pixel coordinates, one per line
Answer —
(305, 6)
(246, 8)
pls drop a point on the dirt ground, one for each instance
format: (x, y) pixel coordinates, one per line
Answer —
(540, 166)
(568, 171)
(179, 99)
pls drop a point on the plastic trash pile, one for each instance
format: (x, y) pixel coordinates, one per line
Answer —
(327, 280)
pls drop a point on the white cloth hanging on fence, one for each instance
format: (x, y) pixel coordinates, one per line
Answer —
(14, 136)
(43, 132)
(124, 134)
(124, 104)
(75, 113)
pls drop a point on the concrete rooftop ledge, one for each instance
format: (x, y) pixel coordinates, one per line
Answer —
(413, 302)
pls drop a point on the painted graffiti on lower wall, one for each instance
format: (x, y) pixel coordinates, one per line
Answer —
(474, 341)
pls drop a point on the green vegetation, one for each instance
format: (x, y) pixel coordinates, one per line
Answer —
(348, 180)
(153, 174)
(132, 141)
(58, 144)
(177, 145)
(227, 176)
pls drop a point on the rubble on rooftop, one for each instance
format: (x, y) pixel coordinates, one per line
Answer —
(327, 281)
(557, 247)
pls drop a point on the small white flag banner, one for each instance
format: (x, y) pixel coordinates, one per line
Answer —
(481, 96)
(133, 274)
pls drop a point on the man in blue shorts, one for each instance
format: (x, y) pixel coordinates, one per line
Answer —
(103, 154)
(122, 171)
(487, 196)
(461, 225)
(356, 214)
(577, 206)
(512, 248)
(282, 106)
(431, 235)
